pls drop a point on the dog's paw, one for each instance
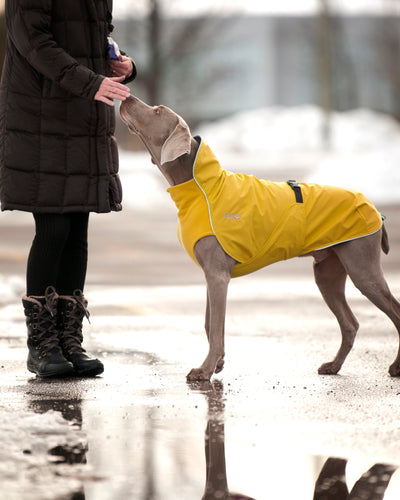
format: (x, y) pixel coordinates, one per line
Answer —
(328, 369)
(197, 374)
(394, 369)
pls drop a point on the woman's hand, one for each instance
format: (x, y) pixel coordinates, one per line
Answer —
(122, 67)
(111, 88)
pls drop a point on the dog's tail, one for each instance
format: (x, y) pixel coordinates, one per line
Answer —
(385, 240)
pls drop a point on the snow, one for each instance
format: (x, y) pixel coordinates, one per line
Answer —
(299, 128)
(11, 288)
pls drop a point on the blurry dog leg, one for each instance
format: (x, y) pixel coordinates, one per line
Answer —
(330, 277)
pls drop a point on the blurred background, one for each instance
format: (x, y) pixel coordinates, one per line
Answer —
(211, 60)
(301, 89)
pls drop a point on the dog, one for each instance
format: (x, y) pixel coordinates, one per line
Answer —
(339, 228)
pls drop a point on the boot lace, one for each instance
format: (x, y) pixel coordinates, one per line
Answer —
(71, 323)
(45, 334)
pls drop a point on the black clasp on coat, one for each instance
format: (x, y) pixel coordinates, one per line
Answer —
(297, 190)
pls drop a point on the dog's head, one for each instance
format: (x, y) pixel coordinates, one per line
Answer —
(164, 133)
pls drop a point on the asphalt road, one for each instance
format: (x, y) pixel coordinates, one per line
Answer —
(264, 428)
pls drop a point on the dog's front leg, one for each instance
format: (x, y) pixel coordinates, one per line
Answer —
(220, 364)
(217, 267)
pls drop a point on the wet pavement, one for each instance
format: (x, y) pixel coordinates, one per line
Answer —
(267, 427)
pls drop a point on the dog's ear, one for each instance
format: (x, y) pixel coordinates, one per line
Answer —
(177, 144)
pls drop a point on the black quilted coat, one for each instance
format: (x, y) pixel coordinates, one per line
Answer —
(57, 149)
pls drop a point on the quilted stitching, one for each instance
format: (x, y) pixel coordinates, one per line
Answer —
(58, 149)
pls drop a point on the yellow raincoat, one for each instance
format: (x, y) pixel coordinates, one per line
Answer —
(258, 222)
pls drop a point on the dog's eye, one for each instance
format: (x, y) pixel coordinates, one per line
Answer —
(156, 110)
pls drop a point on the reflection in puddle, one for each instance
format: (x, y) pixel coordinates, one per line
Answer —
(146, 448)
(64, 454)
(216, 481)
(67, 454)
(71, 411)
(331, 483)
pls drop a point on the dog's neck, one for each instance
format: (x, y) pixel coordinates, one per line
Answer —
(180, 170)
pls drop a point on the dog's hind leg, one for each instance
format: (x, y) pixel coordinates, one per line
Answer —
(217, 267)
(330, 277)
(362, 260)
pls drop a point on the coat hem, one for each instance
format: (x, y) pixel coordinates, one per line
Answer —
(59, 210)
(243, 268)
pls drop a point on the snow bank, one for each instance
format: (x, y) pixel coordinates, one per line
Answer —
(11, 288)
(364, 152)
(299, 129)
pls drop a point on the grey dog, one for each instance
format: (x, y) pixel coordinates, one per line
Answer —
(172, 148)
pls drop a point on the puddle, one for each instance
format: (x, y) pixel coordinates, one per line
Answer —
(267, 428)
(177, 442)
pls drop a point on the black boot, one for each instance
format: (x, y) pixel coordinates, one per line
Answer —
(71, 310)
(45, 357)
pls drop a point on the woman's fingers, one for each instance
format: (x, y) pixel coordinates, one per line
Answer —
(111, 88)
(120, 78)
(121, 67)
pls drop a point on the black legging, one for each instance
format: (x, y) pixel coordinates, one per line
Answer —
(59, 253)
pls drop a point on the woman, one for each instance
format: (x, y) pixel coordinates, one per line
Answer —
(59, 160)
